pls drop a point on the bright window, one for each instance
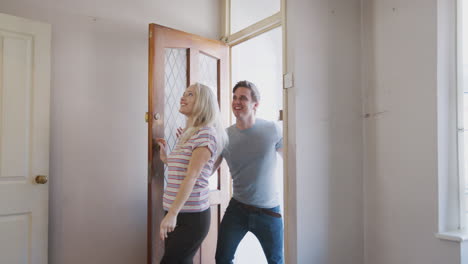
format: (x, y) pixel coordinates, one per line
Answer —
(245, 13)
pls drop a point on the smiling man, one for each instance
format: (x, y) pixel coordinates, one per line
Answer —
(251, 157)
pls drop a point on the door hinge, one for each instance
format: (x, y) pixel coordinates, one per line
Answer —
(146, 117)
(224, 39)
(150, 34)
(280, 118)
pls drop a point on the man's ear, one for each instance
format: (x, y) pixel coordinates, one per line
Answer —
(256, 105)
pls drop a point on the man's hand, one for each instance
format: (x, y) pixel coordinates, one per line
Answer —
(280, 151)
(216, 164)
(168, 225)
(179, 132)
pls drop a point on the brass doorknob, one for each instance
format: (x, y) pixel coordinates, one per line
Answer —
(41, 179)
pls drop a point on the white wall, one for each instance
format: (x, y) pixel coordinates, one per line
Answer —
(323, 45)
(98, 167)
(401, 180)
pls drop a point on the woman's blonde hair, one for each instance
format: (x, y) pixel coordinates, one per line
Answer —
(205, 113)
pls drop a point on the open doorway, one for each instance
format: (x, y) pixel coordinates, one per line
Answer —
(259, 60)
(177, 59)
(257, 56)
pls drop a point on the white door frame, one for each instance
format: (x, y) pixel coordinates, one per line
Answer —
(269, 23)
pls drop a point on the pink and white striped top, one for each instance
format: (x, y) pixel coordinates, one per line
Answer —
(178, 161)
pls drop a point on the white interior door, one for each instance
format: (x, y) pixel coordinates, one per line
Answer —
(24, 139)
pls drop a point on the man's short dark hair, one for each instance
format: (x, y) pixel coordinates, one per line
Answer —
(249, 85)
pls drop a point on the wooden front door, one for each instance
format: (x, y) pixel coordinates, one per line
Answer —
(176, 60)
(24, 139)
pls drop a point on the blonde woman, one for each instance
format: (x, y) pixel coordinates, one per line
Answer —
(190, 164)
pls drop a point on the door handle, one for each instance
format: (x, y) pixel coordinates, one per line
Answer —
(41, 179)
(157, 116)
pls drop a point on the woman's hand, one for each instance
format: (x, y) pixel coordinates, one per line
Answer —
(168, 225)
(162, 145)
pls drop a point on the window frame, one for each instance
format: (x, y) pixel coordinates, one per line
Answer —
(450, 129)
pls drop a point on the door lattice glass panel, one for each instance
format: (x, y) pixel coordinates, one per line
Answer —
(209, 72)
(208, 68)
(175, 83)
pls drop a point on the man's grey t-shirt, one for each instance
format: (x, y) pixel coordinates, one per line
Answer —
(251, 156)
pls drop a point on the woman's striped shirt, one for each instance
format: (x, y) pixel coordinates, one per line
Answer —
(178, 161)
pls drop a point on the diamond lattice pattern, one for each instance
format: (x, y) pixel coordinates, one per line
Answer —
(175, 83)
(208, 68)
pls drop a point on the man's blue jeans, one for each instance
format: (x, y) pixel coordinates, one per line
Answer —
(237, 221)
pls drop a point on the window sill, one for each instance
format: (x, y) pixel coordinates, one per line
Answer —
(459, 235)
